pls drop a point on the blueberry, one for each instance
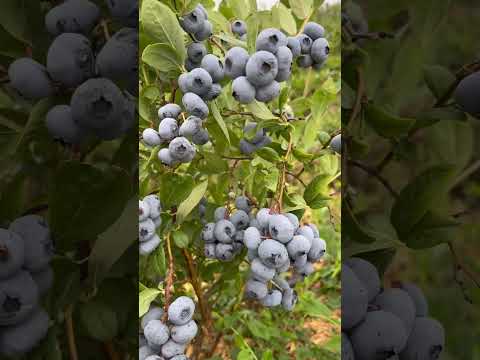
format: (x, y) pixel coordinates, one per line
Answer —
(255, 289)
(199, 81)
(118, 58)
(381, 334)
(181, 310)
(263, 217)
(44, 280)
(166, 158)
(195, 105)
(169, 111)
(305, 61)
(150, 137)
(183, 334)
(273, 298)
(317, 250)
(182, 150)
(208, 233)
(239, 236)
(240, 220)
(224, 231)
(196, 51)
(421, 304)
(268, 92)
(284, 58)
(281, 282)
(214, 66)
(154, 204)
(262, 68)
(243, 203)
(399, 303)
(239, 27)
(194, 21)
(294, 45)
(171, 348)
(220, 213)
(235, 62)
(284, 268)
(147, 247)
(144, 352)
(205, 32)
(143, 210)
(367, 274)
(293, 219)
(157, 221)
(270, 40)
(314, 229)
(214, 92)
(70, 59)
(336, 144)
(306, 231)
(155, 357)
(280, 228)
(354, 299)
(153, 313)
(299, 246)
(252, 238)
(38, 242)
(156, 333)
(426, 341)
(320, 50)
(60, 125)
(146, 230)
(347, 349)
(30, 79)
(289, 299)
(252, 254)
(305, 43)
(300, 261)
(201, 137)
(23, 337)
(73, 16)
(209, 251)
(243, 91)
(125, 11)
(98, 104)
(466, 94)
(314, 30)
(246, 147)
(224, 252)
(18, 298)
(190, 65)
(183, 81)
(190, 127)
(260, 272)
(179, 357)
(12, 253)
(283, 75)
(273, 253)
(168, 129)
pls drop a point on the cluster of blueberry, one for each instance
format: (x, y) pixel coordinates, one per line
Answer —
(162, 341)
(196, 23)
(149, 210)
(252, 142)
(26, 250)
(97, 105)
(180, 149)
(275, 242)
(466, 94)
(224, 238)
(388, 323)
(258, 77)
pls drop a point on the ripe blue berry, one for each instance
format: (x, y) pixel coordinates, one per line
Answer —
(30, 79)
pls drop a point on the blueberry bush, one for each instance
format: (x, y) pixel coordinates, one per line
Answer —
(68, 185)
(410, 157)
(238, 107)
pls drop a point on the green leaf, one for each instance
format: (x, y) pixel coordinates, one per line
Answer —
(231, 40)
(189, 203)
(352, 229)
(268, 154)
(430, 117)
(161, 24)
(438, 79)
(174, 188)
(111, 245)
(220, 23)
(387, 125)
(146, 297)
(420, 196)
(316, 193)
(99, 320)
(219, 119)
(285, 18)
(180, 239)
(163, 58)
(260, 111)
(13, 19)
(301, 8)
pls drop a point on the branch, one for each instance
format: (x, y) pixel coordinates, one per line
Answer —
(169, 282)
(376, 175)
(284, 173)
(215, 42)
(72, 347)
(360, 94)
(297, 177)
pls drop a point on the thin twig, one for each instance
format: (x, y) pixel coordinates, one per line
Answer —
(468, 171)
(296, 177)
(284, 173)
(360, 94)
(106, 32)
(460, 266)
(215, 42)
(72, 346)
(170, 275)
(371, 171)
